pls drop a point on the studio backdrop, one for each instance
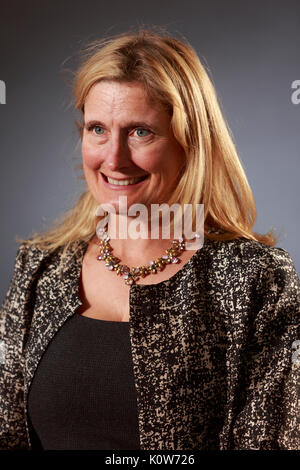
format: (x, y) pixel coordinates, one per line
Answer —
(250, 49)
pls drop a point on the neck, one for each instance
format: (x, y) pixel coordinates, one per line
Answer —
(136, 251)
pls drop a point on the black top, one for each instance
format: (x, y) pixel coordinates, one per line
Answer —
(83, 396)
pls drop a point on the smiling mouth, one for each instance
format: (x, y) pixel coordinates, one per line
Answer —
(124, 182)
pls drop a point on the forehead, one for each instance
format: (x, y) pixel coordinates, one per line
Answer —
(115, 98)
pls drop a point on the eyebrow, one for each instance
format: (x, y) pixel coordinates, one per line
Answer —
(130, 125)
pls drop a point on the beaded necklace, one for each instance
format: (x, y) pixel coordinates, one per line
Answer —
(133, 274)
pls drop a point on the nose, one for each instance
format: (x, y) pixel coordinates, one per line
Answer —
(118, 153)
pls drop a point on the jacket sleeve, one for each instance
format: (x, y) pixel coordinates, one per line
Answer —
(12, 329)
(269, 419)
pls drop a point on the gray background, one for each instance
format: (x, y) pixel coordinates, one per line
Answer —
(251, 50)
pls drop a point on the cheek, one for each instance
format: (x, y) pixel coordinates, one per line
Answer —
(153, 161)
(90, 156)
(167, 160)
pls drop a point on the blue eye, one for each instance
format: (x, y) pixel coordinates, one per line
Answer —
(96, 128)
(140, 131)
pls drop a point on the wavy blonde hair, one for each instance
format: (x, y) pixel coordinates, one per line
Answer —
(213, 175)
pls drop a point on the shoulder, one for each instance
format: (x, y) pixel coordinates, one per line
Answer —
(28, 253)
(243, 260)
(30, 258)
(248, 252)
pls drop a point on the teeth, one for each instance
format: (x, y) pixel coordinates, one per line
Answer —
(124, 182)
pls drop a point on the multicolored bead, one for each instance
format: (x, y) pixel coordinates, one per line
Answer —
(131, 275)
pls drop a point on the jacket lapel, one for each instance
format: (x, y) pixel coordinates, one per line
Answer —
(56, 300)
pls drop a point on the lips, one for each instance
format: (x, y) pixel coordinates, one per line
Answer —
(123, 186)
(124, 179)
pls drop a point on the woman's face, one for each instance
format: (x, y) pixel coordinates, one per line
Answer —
(127, 136)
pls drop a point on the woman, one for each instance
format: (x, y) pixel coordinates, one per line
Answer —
(127, 354)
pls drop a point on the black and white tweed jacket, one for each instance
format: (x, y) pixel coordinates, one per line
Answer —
(213, 347)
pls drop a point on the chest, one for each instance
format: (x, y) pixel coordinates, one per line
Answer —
(103, 294)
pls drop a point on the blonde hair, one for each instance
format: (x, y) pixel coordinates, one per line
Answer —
(172, 73)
